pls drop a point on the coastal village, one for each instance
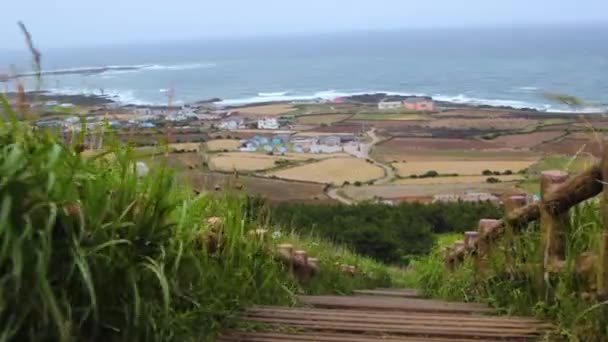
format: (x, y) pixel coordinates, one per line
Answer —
(370, 147)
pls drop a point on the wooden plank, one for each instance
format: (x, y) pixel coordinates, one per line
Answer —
(331, 337)
(385, 324)
(412, 330)
(392, 304)
(398, 317)
(402, 293)
(469, 326)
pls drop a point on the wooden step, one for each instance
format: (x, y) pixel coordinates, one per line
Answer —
(447, 318)
(400, 293)
(436, 328)
(384, 315)
(392, 304)
(311, 336)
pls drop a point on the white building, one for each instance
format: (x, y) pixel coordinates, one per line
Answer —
(386, 105)
(268, 123)
(232, 125)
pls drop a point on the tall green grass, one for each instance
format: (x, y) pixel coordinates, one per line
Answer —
(510, 285)
(90, 250)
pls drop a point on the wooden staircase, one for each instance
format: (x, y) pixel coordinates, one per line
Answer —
(387, 315)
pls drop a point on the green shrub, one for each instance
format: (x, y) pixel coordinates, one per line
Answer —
(486, 173)
(388, 233)
(429, 174)
(281, 162)
(492, 180)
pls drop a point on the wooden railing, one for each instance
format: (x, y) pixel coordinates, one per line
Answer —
(297, 261)
(559, 193)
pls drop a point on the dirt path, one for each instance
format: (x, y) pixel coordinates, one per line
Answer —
(333, 194)
(363, 152)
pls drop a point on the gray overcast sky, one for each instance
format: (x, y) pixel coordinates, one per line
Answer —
(92, 22)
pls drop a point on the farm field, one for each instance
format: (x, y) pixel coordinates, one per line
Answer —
(472, 113)
(245, 161)
(388, 116)
(274, 190)
(222, 144)
(527, 140)
(455, 180)
(483, 123)
(438, 144)
(404, 191)
(179, 161)
(403, 153)
(266, 110)
(257, 161)
(467, 168)
(324, 108)
(572, 144)
(333, 170)
(320, 119)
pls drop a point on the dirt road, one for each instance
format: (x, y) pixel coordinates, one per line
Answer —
(363, 152)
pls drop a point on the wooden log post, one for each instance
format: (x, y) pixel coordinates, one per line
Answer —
(551, 231)
(511, 204)
(603, 269)
(286, 255)
(314, 266)
(448, 253)
(300, 264)
(486, 228)
(459, 251)
(551, 225)
(470, 240)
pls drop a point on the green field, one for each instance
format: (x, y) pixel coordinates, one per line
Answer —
(571, 164)
(320, 119)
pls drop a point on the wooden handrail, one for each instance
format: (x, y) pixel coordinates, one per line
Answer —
(559, 194)
(559, 200)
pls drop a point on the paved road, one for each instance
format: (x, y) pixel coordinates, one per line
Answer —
(363, 152)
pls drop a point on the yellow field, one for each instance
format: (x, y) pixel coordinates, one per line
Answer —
(455, 180)
(460, 167)
(245, 161)
(222, 144)
(333, 170)
(273, 109)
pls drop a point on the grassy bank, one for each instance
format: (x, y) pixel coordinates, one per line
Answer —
(509, 284)
(95, 248)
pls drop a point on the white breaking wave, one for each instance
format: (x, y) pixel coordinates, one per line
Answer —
(280, 93)
(124, 69)
(528, 88)
(175, 67)
(128, 97)
(121, 96)
(457, 99)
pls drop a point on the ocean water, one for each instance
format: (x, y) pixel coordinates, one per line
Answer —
(494, 66)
